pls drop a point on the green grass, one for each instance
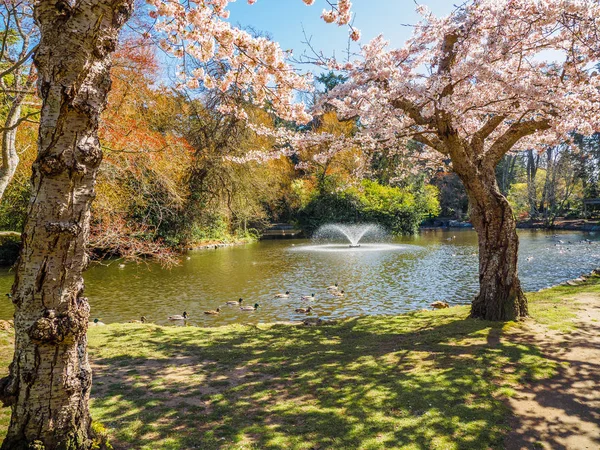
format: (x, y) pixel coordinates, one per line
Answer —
(557, 307)
(424, 380)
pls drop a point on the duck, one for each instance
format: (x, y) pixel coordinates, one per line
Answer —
(233, 303)
(250, 308)
(178, 317)
(333, 288)
(142, 320)
(308, 297)
(97, 323)
(213, 312)
(440, 305)
(121, 266)
(286, 295)
(304, 310)
(338, 294)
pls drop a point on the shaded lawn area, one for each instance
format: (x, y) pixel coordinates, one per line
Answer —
(425, 380)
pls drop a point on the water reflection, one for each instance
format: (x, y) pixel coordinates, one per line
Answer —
(408, 274)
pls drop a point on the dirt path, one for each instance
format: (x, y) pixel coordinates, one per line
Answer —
(564, 411)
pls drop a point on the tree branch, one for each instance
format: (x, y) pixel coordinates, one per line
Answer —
(515, 132)
(488, 128)
(19, 63)
(411, 109)
(432, 142)
(448, 52)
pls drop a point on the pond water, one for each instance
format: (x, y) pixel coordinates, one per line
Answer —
(404, 274)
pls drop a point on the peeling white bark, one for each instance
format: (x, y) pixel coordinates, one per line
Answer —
(10, 158)
(50, 377)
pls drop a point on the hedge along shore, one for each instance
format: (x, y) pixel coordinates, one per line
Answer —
(423, 380)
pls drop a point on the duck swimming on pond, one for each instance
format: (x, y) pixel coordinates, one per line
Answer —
(250, 308)
(213, 312)
(338, 294)
(333, 288)
(308, 297)
(142, 320)
(304, 310)
(286, 295)
(232, 303)
(178, 317)
(97, 323)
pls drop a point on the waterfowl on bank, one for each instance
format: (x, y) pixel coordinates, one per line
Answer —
(308, 297)
(304, 310)
(286, 295)
(97, 323)
(338, 294)
(250, 308)
(142, 320)
(440, 305)
(178, 317)
(333, 288)
(121, 266)
(232, 303)
(214, 312)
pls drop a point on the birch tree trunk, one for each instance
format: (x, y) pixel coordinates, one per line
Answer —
(10, 158)
(17, 78)
(50, 378)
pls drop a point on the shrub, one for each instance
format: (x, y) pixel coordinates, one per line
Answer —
(401, 210)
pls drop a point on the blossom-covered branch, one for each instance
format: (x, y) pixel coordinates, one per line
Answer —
(255, 65)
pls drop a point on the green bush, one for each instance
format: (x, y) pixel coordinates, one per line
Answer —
(13, 207)
(10, 244)
(401, 210)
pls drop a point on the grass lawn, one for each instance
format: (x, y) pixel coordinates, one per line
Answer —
(425, 380)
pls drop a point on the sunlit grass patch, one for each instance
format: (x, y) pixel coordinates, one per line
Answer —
(557, 307)
(424, 380)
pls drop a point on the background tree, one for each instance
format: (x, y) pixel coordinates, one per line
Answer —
(17, 77)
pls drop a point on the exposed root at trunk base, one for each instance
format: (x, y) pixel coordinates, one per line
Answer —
(500, 305)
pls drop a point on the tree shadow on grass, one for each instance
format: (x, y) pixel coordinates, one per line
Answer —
(419, 381)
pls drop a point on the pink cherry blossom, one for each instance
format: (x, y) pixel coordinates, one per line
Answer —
(200, 31)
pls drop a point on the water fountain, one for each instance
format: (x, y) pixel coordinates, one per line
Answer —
(353, 232)
(366, 237)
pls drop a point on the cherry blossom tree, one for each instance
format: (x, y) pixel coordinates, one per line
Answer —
(49, 381)
(491, 78)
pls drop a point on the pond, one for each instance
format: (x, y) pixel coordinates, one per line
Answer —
(410, 274)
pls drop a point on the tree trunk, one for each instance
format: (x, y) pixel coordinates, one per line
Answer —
(532, 167)
(500, 295)
(10, 158)
(50, 378)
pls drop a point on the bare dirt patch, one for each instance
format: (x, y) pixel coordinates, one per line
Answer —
(562, 412)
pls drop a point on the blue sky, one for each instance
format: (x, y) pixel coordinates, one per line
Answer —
(284, 20)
